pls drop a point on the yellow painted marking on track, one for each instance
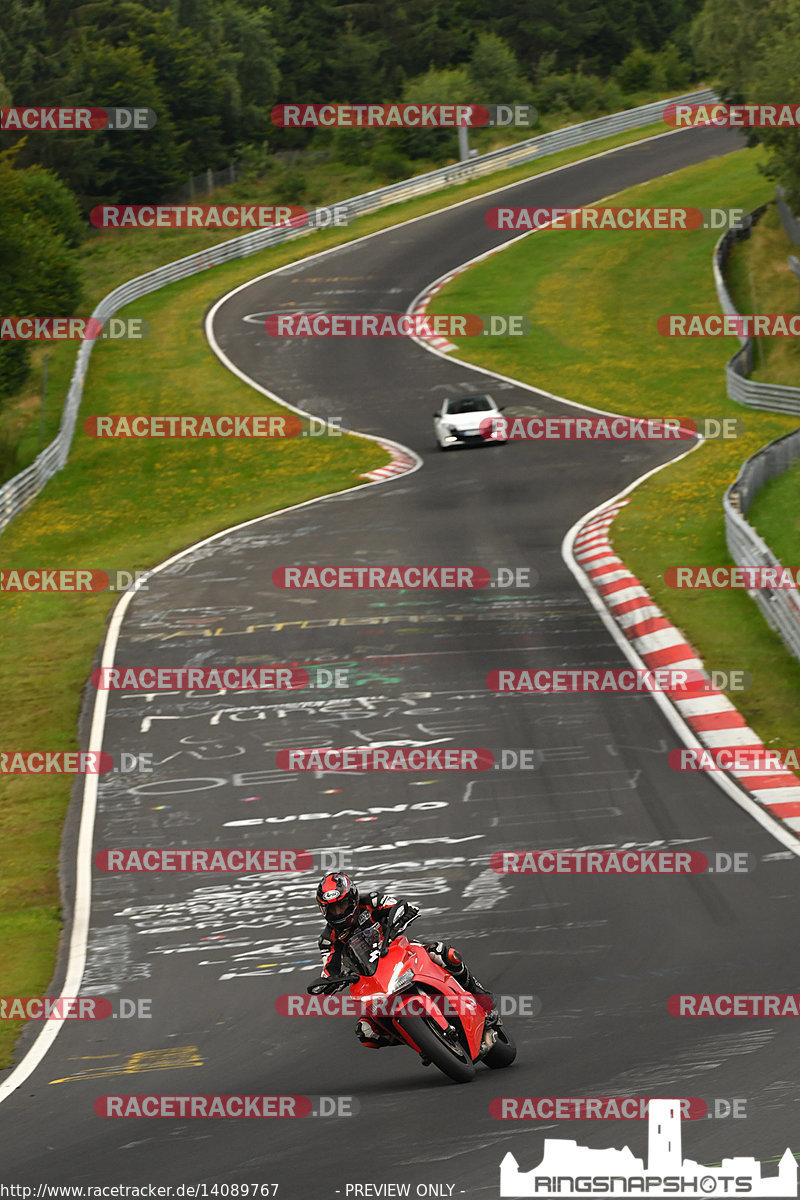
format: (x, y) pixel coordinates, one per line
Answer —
(169, 1059)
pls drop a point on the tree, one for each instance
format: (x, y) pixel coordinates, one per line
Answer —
(494, 73)
(39, 272)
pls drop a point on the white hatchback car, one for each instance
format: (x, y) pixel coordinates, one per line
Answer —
(458, 422)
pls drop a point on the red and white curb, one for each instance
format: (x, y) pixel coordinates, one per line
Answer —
(421, 307)
(401, 462)
(712, 718)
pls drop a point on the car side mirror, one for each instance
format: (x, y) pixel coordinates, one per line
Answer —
(501, 408)
(437, 414)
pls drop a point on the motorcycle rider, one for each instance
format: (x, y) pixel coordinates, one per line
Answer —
(343, 909)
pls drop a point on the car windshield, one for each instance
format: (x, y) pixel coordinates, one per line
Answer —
(362, 947)
(470, 404)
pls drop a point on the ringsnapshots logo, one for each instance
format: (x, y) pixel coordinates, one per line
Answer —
(76, 120)
(570, 1170)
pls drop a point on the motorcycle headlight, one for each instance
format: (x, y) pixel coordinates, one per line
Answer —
(403, 980)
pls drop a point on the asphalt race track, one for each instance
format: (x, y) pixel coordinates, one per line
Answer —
(601, 954)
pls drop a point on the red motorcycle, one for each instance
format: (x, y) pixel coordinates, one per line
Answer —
(406, 995)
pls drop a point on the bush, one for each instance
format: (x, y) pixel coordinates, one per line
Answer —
(14, 366)
(288, 185)
(575, 92)
(353, 146)
(390, 163)
(643, 70)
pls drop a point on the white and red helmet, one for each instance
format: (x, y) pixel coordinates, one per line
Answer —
(337, 897)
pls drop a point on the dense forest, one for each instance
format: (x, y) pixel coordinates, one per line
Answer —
(213, 69)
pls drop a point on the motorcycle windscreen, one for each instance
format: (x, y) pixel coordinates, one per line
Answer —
(362, 948)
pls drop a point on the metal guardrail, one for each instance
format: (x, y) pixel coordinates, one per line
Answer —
(789, 221)
(780, 606)
(773, 397)
(18, 492)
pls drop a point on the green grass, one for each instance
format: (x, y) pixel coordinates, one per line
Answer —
(775, 513)
(760, 281)
(594, 299)
(129, 504)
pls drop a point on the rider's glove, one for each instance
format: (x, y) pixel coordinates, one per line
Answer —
(402, 913)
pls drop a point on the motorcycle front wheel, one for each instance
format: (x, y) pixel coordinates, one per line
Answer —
(503, 1052)
(449, 1056)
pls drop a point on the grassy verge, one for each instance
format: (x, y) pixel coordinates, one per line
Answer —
(760, 281)
(775, 513)
(129, 505)
(596, 299)
(111, 257)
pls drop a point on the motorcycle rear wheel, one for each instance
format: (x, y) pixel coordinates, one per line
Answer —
(451, 1058)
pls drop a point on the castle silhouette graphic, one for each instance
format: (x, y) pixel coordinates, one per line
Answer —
(564, 1162)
